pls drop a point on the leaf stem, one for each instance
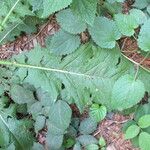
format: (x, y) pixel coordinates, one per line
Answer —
(43, 68)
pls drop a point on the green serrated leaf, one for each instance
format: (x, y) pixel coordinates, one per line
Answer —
(97, 112)
(40, 123)
(89, 70)
(144, 121)
(77, 146)
(59, 118)
(70, 22)
(144, 139)
(138, 15)
(85, 10)
(51, 6)
(87, 139)
(140, 5)
(132, 131)
(92, 147)
(144, 36)
(63, 43)
(126, 24)
(104, 32)
(54, 141)
(23, 96)
(18, 131)
(126, 97)
(87, 126)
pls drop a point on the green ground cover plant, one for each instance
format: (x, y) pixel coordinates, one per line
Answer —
(38, 87)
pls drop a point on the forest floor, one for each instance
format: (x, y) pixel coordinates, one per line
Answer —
(110, 128)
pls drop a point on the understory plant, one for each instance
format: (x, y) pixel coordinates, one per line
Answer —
(39, 87)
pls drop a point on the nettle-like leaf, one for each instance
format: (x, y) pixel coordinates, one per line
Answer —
(54, 141)
(87, 139)
(140, 5)
(23, 96)
(139, 15)
(59, 118)
(85, 10)
(88, 73)
(126, 24)
(131, 93)
(144, 121)
(104, 32)
(70, 22)
(132, 131)
(87, 126)
(144, 36)
(144, 139)
(37, 77)
(16, 131)
(63, 43)
(51, 6)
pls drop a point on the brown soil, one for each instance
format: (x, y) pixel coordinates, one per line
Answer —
(110, 129)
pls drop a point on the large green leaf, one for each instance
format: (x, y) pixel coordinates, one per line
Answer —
(88, 73)
(87, 139)
(126, 24)
(131, 93)
(144, 36)
(21, 95)
(132, 131)
(104, 32)
(64, 43)
(144, 139)
(54, 142)
(87, 126)
(18, 131)
(51, 6)
(59, 118)
(85, 9)
(144, 121)
(70, 22)
(140, 5)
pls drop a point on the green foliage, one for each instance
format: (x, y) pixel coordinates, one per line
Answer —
(123, 98)
(70, 22)
(97, 112)
(139, 129)
(92, 147)
(126, 24)
(144, 121)
(37, 87)
(64, 43)
(144, 139)
(132, 131)
(87, 126)
(104, 32)
(51, 6)
(143, 40)
(85, 10)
